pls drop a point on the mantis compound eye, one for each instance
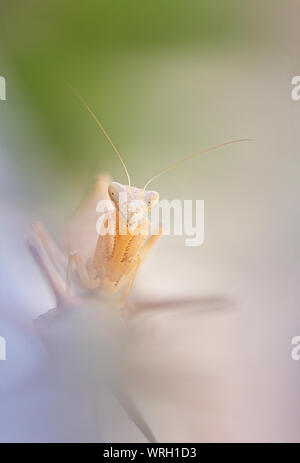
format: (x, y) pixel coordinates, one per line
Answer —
(151, 198)
(113, 191)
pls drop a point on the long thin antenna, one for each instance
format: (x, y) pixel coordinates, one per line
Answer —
(193, 156)
(103, 130)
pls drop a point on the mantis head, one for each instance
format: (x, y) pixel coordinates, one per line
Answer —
(133, 203)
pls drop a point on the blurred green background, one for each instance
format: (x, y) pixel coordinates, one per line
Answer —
(123, 57)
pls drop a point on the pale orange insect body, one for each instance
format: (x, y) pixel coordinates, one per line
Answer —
(109, 261)
(118, 255)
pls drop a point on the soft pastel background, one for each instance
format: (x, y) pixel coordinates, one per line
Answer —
(167, 78)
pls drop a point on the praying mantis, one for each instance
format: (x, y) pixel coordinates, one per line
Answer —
(103, 262)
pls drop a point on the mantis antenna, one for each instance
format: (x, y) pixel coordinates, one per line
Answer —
(103, 130)
(193, 156)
